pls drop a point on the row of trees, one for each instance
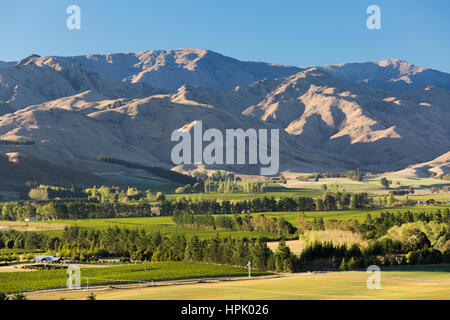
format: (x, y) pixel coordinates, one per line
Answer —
(100, 194)
(231, 186)
(72, 210)
(221, 181)
(138, 245)
(78, 244)
(374, 228)
(330, 201)
(16, 142)
(354, 175)
(82, 209)
(377, 227)
(384, 252)
(218, 175)
(266, 204)
(259, 223)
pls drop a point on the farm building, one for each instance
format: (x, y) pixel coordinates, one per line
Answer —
(47, 259)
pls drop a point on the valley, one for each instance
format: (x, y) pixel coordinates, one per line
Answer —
(88, 179)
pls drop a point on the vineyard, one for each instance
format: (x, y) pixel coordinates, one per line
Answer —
(156, 271)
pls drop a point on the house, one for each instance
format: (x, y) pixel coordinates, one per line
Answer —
(47, 259)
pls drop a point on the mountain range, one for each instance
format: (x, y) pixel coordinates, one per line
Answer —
(376, 116)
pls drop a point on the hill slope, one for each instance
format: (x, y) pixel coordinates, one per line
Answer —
(74, 130)
(388, 75)
(380, 130)
(35, 80)
(327, 122)
(438, 166)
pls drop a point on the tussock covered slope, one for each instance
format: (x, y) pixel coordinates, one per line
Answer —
(75, 130)
(380, 130)
(438, 166)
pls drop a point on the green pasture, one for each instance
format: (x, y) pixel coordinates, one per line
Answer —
(156, 271)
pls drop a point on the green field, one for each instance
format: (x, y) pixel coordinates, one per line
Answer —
(164, 225)
(358, 214)
(156, 271)
(396, 283)
(19, 251)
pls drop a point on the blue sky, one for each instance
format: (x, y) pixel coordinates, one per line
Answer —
(300, 32)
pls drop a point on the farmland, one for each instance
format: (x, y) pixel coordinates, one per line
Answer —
(431, 282)
(166, 226)
(156, 271)
(217, 248)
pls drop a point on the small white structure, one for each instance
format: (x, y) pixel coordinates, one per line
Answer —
(47, 259)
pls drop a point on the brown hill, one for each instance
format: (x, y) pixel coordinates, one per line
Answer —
(39, 79)
(380, 130)
(439, 166)
(73, 114)
(74, 130)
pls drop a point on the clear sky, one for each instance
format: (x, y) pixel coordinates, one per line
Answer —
(297, 32)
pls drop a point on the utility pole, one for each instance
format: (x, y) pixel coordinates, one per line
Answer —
(249, 265)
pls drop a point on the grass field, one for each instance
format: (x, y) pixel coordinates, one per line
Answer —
(156, 271)
(358, 214)
(430, 282)
(165, 225)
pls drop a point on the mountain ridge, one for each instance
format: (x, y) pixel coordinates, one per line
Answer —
(36, 79)
(158, 67)
(326, 122)
(170, 69)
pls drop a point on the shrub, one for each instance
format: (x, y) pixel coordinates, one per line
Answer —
(412, 257)
(343, 265)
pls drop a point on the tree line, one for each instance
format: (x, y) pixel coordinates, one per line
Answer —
(109, 207)
(374, 228)
(382, 252)
(330, 202)
(259, 223)
(16, 142)
(72, 210)
(353, 175)
(139, 245)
